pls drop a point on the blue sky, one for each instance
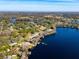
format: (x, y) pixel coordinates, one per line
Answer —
(39, 5)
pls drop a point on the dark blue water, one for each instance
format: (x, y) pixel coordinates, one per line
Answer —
(63, 45)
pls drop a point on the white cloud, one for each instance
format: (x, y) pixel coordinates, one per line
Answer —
(65, 0)
(38, 7)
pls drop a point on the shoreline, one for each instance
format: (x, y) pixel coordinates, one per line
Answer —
(24, 48)
(27, 46)
(45, 34)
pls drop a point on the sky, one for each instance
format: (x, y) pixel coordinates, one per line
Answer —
(40, 5)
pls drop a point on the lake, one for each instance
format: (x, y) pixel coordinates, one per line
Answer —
(62, 45)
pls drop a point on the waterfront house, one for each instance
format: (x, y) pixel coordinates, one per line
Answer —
(24, 19)
(75, 21)
(5, 33)
(13, 20)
